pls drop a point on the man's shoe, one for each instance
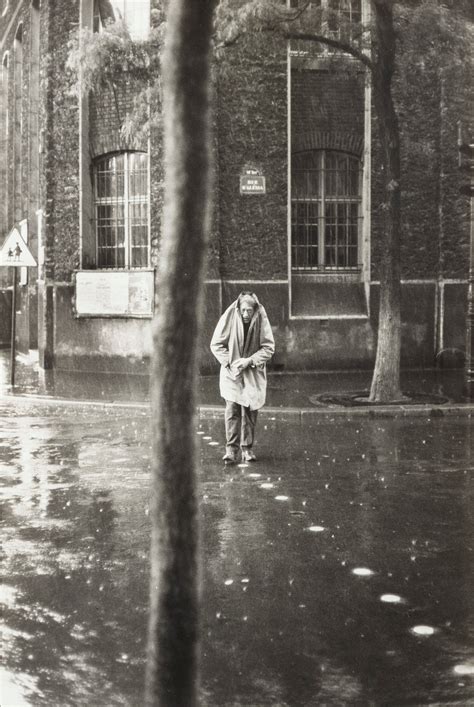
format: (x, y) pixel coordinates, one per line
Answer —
(230, 456)
(248, 455)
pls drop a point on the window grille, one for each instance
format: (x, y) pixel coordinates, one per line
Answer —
(134, 13)
(343, 16)
(325, 210)
(121, 207)
(336, 19)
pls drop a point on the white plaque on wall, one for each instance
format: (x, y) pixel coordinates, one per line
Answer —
(114, 293)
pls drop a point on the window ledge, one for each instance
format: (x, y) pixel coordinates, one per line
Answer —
(334, 275)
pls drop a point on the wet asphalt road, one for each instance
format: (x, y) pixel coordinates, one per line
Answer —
(337, 570)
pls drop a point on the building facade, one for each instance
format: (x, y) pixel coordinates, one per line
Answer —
(297, 198)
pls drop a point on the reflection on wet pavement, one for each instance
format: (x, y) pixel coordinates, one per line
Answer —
(336, 570)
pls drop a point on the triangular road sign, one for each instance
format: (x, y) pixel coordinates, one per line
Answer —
(15, 252)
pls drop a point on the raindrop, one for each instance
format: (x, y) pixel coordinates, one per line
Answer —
(254, 475)
(391, 598)
(316, 528)
(266, 485)
(362, 571)
(228, 582)
(207, 437)
(245, 580)
(213, 444)
(199, 432)
(464, 669)
(422, 630)
(281, 498)
(244, 466)
(245, 618)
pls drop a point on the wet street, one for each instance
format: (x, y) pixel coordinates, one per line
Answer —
(337, 570)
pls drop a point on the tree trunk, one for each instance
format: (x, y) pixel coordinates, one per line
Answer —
(386, 377)
(172, 666)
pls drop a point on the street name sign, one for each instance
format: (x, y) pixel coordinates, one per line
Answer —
(15, 253)
(252, 184)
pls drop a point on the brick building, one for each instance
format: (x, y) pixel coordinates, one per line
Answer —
(297, 197)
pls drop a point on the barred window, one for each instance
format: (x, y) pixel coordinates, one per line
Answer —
(326, 210)
(343, 15)
(121, 210)
(336, 19)
(134, 13)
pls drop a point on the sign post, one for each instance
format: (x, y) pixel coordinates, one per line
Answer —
(15, 254)
(466, 167)
(13, 337)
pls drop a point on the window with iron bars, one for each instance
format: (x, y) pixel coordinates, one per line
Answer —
(134, 13)
(336, 19)
(121, 210)
(325, 211)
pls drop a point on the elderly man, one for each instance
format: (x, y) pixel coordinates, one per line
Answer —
(242, 343)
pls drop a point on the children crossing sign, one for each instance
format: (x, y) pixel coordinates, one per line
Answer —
(15, 253)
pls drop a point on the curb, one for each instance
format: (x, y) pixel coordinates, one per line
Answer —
(294, 414)
(305, 415)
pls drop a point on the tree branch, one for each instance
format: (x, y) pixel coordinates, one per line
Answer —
(335, 43)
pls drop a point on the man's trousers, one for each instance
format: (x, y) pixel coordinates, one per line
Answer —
(240, 425)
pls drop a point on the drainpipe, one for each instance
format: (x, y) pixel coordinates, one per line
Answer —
(466, 166)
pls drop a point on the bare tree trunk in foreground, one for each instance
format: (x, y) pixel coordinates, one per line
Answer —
(172, 667)
(386, 377)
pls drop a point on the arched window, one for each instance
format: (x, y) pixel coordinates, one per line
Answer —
(33, 106)
(135, 14)
(4, 130)
(17, 128)
(121, 210)
(326, 210)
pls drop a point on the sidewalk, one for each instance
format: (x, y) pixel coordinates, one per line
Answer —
(335, 570)
(295, 394)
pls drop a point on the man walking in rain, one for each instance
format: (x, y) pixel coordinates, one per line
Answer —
(242, 343)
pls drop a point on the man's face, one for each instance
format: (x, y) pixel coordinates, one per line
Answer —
(246, 311)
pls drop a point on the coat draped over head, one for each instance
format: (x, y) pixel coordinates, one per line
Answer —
(249, 387)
